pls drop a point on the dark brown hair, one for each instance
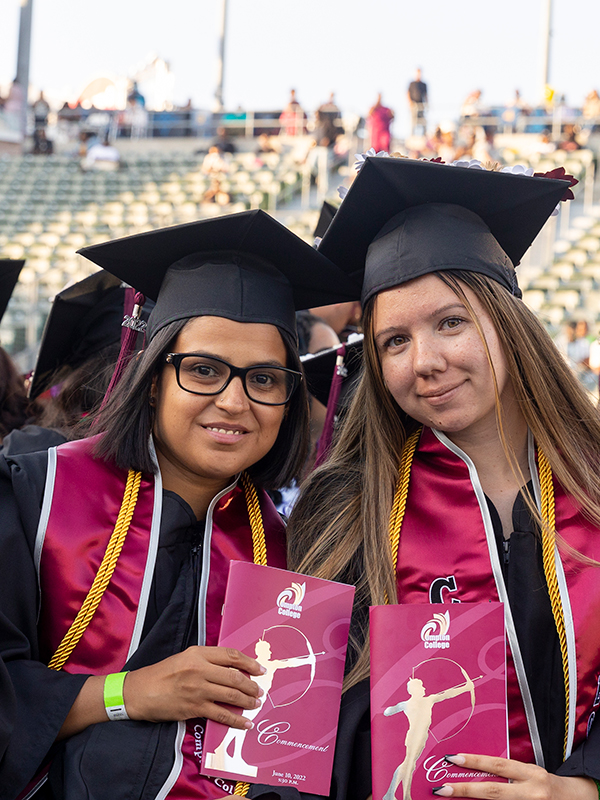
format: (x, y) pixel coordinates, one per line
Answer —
(127, 418)
(81, 392)
(15, 408)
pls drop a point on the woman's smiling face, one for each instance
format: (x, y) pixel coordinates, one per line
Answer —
(212, 438)
(433, 360)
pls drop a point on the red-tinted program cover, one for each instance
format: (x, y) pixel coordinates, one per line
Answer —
(438, 686)
(297, 627)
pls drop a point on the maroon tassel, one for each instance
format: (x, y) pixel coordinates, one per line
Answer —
(326, 437)
(132, 325)
(128, 304)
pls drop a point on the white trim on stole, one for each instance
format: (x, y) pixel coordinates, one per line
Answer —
(503, 595)
(44, 517)
(202, 592)
(140, 617)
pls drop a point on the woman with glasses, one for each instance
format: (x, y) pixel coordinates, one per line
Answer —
(115, 549)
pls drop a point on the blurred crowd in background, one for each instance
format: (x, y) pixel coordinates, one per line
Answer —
(91, 132)
(178, 164)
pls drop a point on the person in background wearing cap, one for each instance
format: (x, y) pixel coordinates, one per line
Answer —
(469, 424)
(314, 336)
(111, 684)
(77, 357)
(344, 318)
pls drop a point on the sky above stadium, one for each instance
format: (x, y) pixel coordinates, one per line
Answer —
(317, 46)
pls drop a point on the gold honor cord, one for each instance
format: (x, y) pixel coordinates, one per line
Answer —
(259, 555)
(399, 504)
(104, 574)
(548, 557)
(259, 547)
(113, 551)
(548, 545)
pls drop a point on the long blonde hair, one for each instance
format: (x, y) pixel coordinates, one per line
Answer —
(339, 529)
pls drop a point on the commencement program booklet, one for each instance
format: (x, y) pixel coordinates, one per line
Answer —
(438, 686)
(297, 627)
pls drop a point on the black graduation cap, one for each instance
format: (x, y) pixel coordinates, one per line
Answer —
(9, 275)
(404, 218)
(84, 319)
(328, 212)
(246, 267)
(319, 368)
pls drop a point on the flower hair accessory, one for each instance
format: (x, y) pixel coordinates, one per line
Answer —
(472, 163)
(493, 166)
(518, 169)
(360, 162)
(562, 175)
(362, 157)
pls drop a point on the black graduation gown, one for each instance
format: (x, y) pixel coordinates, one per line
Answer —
(111, 760)
(115, 760)
(30, 439)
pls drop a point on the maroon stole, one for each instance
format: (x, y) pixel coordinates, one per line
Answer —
(82, 499)
(448, 552)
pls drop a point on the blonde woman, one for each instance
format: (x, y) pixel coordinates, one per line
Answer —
(469, 430)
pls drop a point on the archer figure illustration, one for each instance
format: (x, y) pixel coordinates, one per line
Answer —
(222, 759)
(418, 709)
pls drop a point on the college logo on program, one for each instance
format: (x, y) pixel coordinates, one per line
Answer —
(290, 600)
(435, 632)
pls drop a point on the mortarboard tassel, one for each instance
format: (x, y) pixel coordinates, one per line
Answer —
(326, 437)
(132, 325)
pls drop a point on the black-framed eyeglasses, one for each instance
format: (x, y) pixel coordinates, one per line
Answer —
(207, 375)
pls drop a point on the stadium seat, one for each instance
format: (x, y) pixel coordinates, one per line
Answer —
(534, 298)
(562, 269)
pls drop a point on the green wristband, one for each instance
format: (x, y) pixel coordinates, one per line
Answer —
(113, 696)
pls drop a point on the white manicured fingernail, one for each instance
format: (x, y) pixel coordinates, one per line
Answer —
(456, 759)
(443, 791)
(248, 725)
